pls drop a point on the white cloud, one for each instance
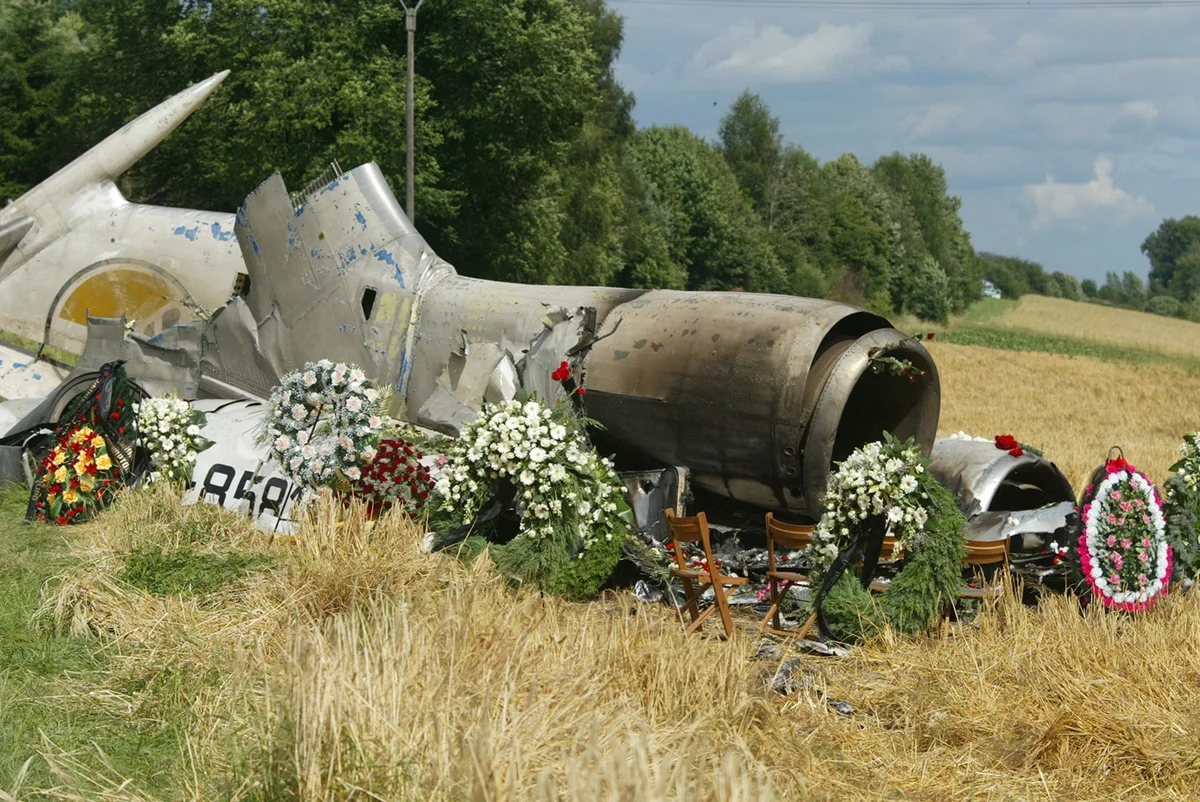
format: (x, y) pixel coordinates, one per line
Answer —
(1140, 108)
(771, 55)
(1055, 202)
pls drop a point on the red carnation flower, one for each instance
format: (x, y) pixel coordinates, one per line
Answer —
(1006, 442)
(1016, 452)
(929, 336)
(62, 520)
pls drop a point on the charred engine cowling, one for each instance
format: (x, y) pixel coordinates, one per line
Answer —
(757, 395)
(1025, 498)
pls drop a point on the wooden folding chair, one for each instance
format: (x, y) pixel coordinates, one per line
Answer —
(695, 582)
(985, 552)
(788, 536)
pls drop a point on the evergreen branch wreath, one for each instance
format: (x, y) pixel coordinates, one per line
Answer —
(1123, 550)
(1181, 507)
(885, 487)
(535, 460)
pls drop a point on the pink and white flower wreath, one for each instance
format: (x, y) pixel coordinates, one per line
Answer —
(1123, 549)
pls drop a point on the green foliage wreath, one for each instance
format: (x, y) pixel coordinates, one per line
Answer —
(570, 502)
(886, 485)
(1181, 507)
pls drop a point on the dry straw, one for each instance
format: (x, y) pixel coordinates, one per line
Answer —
(359, 668)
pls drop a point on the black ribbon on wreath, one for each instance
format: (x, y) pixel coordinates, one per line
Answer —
(106, 406)
(870, 543)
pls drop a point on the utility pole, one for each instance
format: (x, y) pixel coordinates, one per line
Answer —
(410, 22)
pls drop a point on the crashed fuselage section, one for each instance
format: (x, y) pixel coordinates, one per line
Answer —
(757, 395)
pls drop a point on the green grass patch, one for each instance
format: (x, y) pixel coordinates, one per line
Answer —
(184, 571)
(985, 310)
(1020, 340)
(55, 684)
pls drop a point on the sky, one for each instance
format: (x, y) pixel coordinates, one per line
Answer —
(1070, 133)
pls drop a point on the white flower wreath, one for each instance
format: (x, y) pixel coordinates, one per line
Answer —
(324, 421)
(1123, 550)
(169, 429)
(877, 480)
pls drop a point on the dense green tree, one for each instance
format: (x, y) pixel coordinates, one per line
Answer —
(930, 292)
(1016, 277)
(709, 226)
(1127, 290)
(1089, 288)
(753, 148)
(922, 185)
(1171, 270)
(862, 251)
(42, 53)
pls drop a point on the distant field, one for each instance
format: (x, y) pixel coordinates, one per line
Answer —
(1072, 407)
(1094, 323)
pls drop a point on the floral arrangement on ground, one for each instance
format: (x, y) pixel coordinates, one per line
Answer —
(1123, 550)
(324, 422)
(1181, 508)
(569, 500)
(78, 476)
(169, 430)
(396, 477)
(885, 488)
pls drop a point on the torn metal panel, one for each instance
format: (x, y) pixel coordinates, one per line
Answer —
(12, 465)
(236, 472)
(651, 494)
(168, 362)
(1003, 524)
(25, 376)
(986, 479)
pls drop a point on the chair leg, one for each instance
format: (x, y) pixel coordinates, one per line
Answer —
(690, 595)
(699, 622)
(719, 592)
(812, 619)
(777, 596)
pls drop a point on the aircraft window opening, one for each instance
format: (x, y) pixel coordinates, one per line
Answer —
(368, 303)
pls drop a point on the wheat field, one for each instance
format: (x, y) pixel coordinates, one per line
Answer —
(360, 668)
(1073, 408)
(1113, 326)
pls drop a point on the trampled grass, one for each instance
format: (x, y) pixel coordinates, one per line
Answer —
(365, 669)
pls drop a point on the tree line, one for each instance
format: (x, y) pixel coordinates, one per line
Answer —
(529, 166)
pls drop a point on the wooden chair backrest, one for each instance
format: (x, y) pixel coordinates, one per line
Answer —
(790, 536)
(690, 529)
(888, 548)
(986, 552)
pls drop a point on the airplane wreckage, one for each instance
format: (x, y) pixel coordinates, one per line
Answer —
(752, 397)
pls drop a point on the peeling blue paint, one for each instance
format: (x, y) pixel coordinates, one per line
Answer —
(37, 377)
(291, 242)
(190, 233)
(314, 253)
(386, 257)
(362, 221)
(332, 186)
(219, 234)
(344, 328)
